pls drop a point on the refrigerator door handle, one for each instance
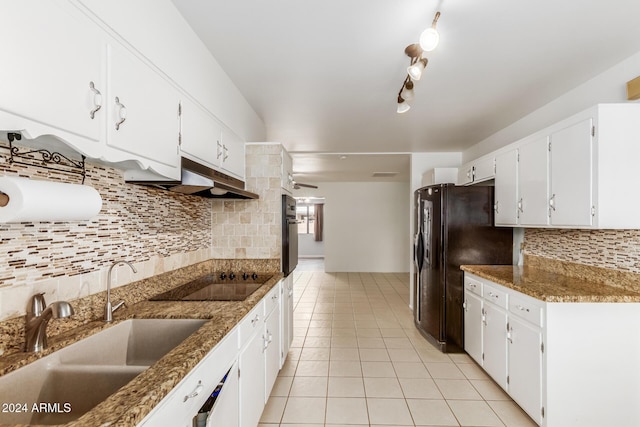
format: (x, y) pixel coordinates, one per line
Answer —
(418, 251)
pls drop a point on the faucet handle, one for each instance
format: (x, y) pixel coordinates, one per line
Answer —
(36, 305)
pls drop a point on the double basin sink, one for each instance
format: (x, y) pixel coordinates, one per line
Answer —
(71, 381)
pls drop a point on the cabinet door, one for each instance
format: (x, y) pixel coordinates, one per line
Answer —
(51, 55)
(506, 195)
(252, 381)
(272, 351)
(286, 316)
(484, 169)
(287, 171)
(200, 133)
(232, 154)
(495, 344)
(525, 366)
(149, 106)
(226, 409)
(473, 319)
(571, 175)
(465, 174)
(533, 182)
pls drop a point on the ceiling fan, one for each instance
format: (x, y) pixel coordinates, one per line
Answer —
(298, 185)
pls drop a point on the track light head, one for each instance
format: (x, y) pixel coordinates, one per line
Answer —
(430, 37)
(403, 107)
(415, 69)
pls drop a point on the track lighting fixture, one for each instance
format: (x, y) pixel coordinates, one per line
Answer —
(428, 42)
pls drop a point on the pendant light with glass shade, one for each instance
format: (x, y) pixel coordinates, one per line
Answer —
(428, 41)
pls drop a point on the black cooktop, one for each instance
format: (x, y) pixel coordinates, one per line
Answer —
(216, 287)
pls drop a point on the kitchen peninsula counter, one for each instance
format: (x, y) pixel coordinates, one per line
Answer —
(562, 282)
(130, 404)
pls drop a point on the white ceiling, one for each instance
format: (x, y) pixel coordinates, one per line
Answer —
(324, 75)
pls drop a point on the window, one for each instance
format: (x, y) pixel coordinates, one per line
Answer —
(305, 216)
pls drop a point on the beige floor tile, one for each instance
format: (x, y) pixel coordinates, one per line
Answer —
(378, 370)
(320, 324)
(472, 371)
(297, 341)
(312, 368)
(511, 414)
(457, 389)
(300, 332)
(474, 413)
(420, 388)
(315, 353)
(410, 370)
(489, 390)
(282, 386)
(444, 370)
(403, 355)
(368, 333)
(346, 387)
(270, 425)
(294, 353)
(308, 387)
(461, 358)
(397, 342)
(349, 323)
(345, 342)
(289, 368)
(343, 332)
(393, 412)
(374, 355)
(347, 410)
(364, 342)
(273, 410)
(322, 342)
(431, 355)
(304, 410)
(382, 387)
(393, 333)
(431, 413)
(319, 332)
(343, 317)
(343, 308)
(345, 368)
(341, 353)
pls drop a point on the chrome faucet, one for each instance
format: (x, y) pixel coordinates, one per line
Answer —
(108, 309)
(38, 316)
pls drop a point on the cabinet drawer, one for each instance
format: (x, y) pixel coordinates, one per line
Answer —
(495, 296)
(272, 299)
(472, 285)
(251, 323)
(188, 396)
(526, 309)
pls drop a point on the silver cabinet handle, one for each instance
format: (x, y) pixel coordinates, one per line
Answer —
(254, 320)
(122, 113)
(509, 329)
(552, 202)
(97, 100)
(196, 391)
(520, 205)
(226, 151)
(495, 207)
(219, 151)
(274, 297)
(496, 296)
(521, 308)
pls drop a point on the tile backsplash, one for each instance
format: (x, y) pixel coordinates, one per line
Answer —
(157, 230)
(612, 249)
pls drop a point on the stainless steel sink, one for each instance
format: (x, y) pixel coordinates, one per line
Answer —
(76, 378)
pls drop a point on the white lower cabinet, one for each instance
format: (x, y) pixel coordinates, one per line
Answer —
(567, 364)
(286, 333)
(250, 355)
(473, 320)
(525, 366)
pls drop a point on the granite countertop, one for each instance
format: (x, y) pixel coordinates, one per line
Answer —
(129, 405)
(552, 286)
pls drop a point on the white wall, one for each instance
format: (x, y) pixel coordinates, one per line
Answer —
(366, 225)
(609, 86)
(308, 247)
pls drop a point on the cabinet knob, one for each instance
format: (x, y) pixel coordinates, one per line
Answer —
(196, 391)
(552, 202)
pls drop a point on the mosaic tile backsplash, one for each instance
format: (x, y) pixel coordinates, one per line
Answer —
(612, 249)
(157, 230)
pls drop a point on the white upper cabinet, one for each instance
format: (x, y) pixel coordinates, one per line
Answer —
(533, 209)
(578, 173)
(287, 171)
(52, 55)
(479, 170)
(142, 109)
(571, 175)
(506, 190)
(232, 154)
(201, 134)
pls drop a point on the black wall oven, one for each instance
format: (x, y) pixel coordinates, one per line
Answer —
(289, 235)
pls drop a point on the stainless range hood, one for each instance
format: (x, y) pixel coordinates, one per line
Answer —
(200, 180)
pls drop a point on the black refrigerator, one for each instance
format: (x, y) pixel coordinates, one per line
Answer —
(454, 226)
